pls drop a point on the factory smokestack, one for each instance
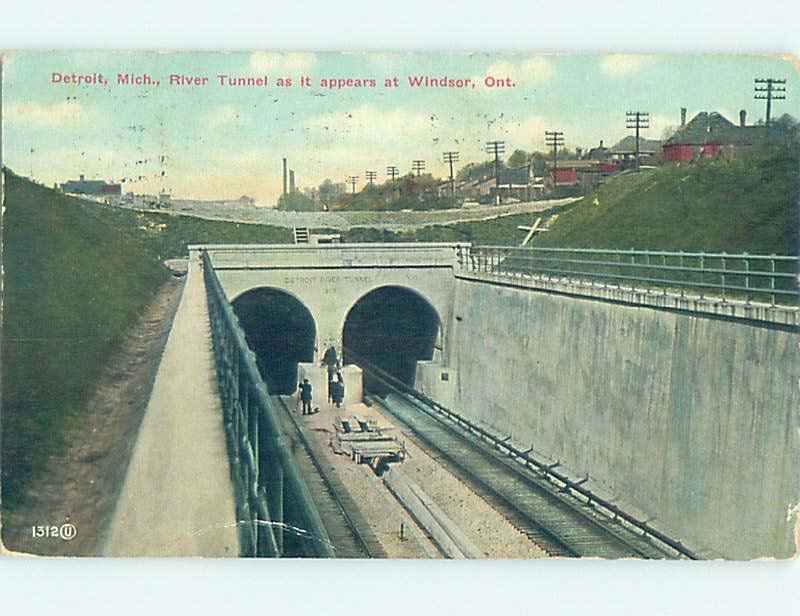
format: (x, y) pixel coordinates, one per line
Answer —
(285, 179)
(683, 116)
(291, 181)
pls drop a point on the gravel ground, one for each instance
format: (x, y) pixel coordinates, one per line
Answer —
(482, 524)
(383, 513)
(397, 221)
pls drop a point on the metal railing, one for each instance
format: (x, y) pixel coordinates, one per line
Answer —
(767, 279)
(275, 513)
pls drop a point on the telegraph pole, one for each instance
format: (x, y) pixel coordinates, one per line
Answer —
(496, 148)
(371, 176)
(637, 120)
(770, 89)
(418, 166)
(392, 172)
(451, 157)
(352, 180)
(554, 139)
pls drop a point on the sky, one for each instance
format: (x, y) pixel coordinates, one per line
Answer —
(221, 142)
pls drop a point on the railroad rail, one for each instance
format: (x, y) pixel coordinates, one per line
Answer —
(349, 532)
(560, 514)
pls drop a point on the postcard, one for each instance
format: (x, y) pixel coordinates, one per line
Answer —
(383, 305)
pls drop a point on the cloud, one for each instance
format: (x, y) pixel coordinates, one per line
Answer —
(620, 64)
(289, 63)
(531, 69)
(56, 114)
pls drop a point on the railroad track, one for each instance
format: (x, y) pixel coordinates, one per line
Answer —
(559, 523)
(347, 528)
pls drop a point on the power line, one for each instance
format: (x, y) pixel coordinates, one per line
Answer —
(554, 139)
(353, 180)
(418, 166)
(769, 89)
(371, 176)
(392, 172)
(451, 157)
(496, 148)
(637, 120)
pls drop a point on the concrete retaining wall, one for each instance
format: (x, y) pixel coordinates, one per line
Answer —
(690, 420)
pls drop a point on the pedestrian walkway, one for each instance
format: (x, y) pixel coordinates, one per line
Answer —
(178, 498)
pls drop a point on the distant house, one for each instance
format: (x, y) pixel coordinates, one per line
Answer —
(584, 173)
(624, 151)
(598, 153)
(513, 183)
(712, 135)
(564, 176)
(97, 188)
(410, 187)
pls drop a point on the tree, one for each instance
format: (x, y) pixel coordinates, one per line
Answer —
(296, 202)
(519, 158)
(327, 193)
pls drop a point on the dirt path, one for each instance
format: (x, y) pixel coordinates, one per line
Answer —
(81, 485)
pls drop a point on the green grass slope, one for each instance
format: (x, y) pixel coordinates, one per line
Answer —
(77, 275)
(746, 205)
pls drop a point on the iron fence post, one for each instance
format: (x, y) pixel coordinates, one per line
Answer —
(702, 275)
(772, 279)
(746, 278)
(680, 266)
(724, 265)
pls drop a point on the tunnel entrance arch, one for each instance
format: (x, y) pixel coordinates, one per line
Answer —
(391, 327)
(281, 332)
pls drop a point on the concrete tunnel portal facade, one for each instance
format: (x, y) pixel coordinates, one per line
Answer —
(389, 305)
(389, 326)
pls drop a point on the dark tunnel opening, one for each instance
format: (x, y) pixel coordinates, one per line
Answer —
(281, 332)
(391, 327)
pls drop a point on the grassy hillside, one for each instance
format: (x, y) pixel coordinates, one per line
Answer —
(77, 275)
(747, 205)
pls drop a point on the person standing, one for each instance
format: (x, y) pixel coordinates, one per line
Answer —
(331, 361)
(305, 396)
(338, 390)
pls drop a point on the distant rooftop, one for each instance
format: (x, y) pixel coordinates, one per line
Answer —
(713, 127)
(628, 146)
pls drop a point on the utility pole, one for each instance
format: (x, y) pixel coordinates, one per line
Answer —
(371, 176)
(496, 148)
(554, 139)
(418, 166)
(770, 89)
(451, 157)
(392, 172)
(352, 180)
(528, 180)
(637, 120)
